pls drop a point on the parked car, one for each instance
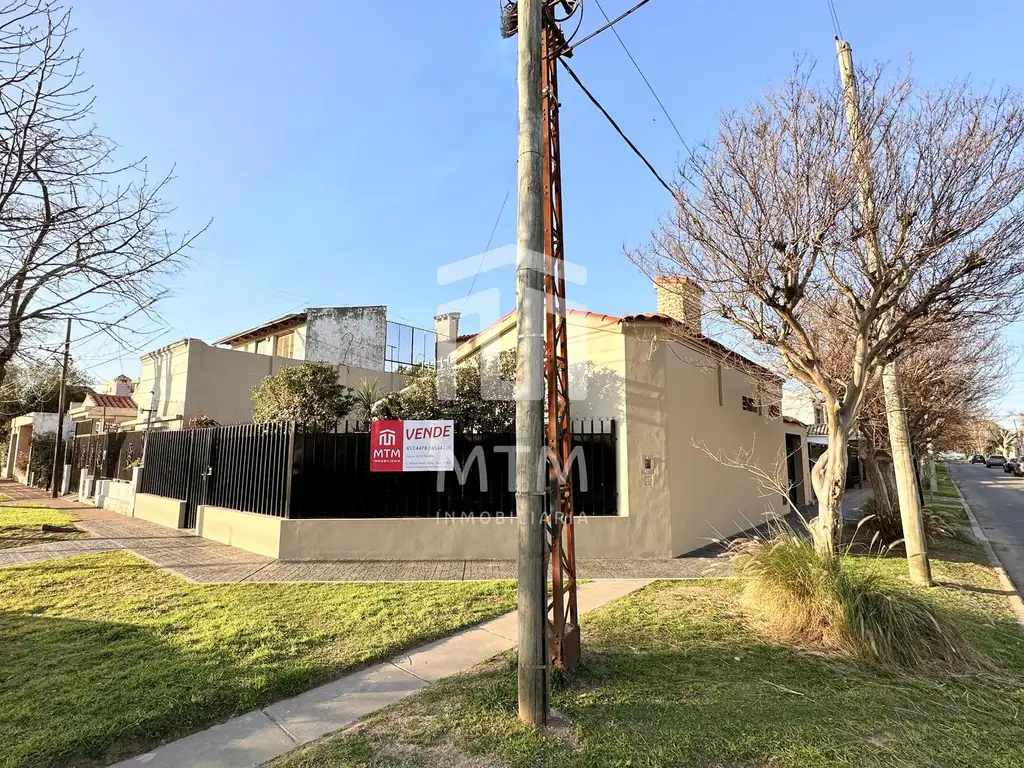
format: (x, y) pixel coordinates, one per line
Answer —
(1018, 470)
(1010, 467)
(977, 459)
(995, 460)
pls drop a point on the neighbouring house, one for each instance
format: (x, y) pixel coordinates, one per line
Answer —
(191, 378)
(801, 405)
(361, 337)
(106, 411)
(19, 449)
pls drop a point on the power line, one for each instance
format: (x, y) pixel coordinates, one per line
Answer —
(490, 240)
(648, 82)
(615, 125)
(832, 13)
(609, 25)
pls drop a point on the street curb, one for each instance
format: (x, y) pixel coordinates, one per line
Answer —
(979, 534)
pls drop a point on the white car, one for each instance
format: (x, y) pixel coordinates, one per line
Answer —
(995, 460)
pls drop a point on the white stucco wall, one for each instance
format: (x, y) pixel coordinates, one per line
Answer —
(352, 336)
(798, 403)
(163, 373)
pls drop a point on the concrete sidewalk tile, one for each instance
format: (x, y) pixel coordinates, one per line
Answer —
(244, 741)
(594, 594)
(506, 626)
(312, 714)
(452, 654)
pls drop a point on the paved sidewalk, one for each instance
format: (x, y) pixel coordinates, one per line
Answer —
(203, 561)
(853, 500)
(260, 735)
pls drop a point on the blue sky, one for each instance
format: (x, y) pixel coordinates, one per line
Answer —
(345, 151)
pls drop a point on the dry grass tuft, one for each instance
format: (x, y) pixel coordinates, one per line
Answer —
(824, 603)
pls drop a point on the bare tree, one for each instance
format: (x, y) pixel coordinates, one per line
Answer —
(80, 234)
(768, 222)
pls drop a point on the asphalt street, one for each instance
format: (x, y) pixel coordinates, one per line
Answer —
(997, 500)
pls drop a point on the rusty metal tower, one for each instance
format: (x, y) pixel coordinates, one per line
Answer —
(563, 615)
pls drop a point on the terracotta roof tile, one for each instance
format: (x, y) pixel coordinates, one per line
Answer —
(112, 401)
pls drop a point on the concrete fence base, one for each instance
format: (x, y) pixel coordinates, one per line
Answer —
(407, 538)
(160, 510)
(119, 497)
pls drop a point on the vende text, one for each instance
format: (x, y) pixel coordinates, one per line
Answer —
(424, 433)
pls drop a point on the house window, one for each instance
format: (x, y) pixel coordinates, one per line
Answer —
(819, 415)
(774, 412)
(286, 344)
(750, 404)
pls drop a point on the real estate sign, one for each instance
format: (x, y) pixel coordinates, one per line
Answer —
(412, 446)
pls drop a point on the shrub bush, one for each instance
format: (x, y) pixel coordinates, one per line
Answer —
(825, 603)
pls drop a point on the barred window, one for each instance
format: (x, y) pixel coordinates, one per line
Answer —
(750, 404)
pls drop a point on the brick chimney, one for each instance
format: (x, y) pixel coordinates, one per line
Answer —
(680, 298)
(446, 327)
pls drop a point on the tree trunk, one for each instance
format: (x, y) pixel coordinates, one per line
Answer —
(829, 480)
(879, 487)
(906, 488)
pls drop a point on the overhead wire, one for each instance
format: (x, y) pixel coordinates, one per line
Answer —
(609, 25)
(835, 18)
(618, 130)
(642, 75)
(490, 240)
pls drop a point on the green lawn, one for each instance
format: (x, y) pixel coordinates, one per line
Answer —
(103, 656)
(21, 525)
(674, 676)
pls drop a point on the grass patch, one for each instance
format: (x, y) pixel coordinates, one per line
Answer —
(20, 526)
(674, 675)
(105, 656)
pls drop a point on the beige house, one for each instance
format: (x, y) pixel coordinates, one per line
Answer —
(677, 397)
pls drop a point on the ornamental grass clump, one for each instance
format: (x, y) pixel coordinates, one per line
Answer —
(825, 603)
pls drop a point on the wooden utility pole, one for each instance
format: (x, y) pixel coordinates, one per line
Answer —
(532, 600)
(895, 410)
(58, 453)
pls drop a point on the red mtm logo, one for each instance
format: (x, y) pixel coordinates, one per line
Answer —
(386, 444)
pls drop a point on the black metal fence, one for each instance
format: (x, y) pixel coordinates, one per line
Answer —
(109, 455)
(287, 471)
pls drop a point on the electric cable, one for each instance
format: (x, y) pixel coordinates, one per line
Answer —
(615, 125)
(642, 75)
